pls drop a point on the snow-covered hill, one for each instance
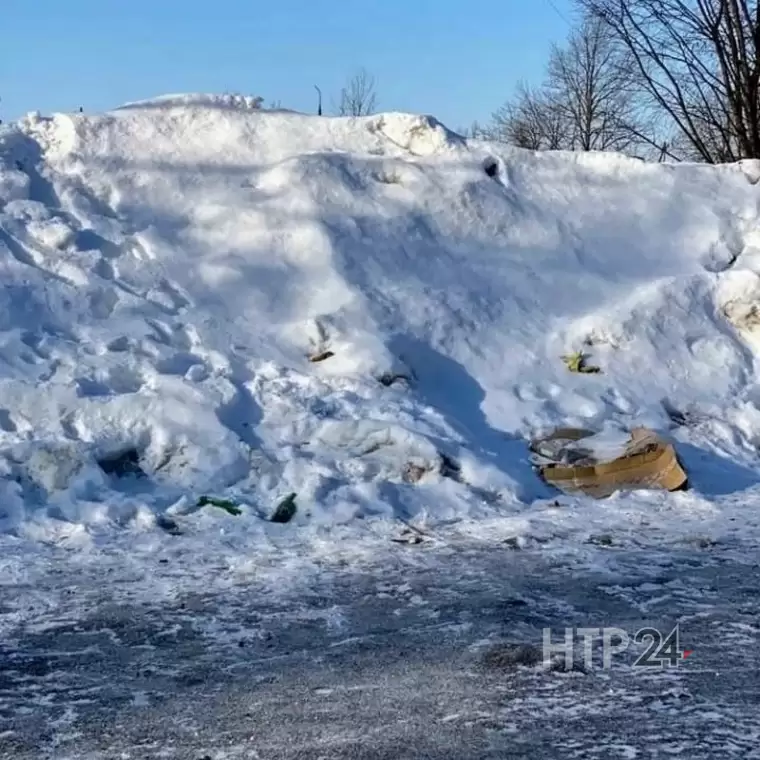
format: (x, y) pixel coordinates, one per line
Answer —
(170, 268)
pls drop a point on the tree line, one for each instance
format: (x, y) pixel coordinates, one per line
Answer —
(659, 79)
(675, 79)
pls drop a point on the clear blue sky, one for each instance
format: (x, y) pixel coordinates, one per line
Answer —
(450, 58)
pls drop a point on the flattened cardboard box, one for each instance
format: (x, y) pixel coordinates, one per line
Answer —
(648, 462)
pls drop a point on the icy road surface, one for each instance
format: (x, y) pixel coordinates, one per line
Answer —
(396, 660)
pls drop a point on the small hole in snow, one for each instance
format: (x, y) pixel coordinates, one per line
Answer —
(491, 167)
(123, 464)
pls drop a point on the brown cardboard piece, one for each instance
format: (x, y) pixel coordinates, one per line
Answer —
(648, 462)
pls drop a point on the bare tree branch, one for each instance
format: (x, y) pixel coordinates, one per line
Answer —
(589, 80)
(698, 62)
(588, 101)
(531, 120)
(358, 97)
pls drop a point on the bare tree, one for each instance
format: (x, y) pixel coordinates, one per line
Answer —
(531, 120)
(476, 131)
(587, 102)
(590, 84)
(358, 97)
(699, 63)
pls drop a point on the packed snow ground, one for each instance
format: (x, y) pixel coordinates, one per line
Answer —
(393, 660)
(169, 269)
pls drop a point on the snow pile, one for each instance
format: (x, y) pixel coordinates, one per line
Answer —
(245, 304)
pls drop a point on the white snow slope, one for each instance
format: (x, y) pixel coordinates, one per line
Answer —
(169, 267)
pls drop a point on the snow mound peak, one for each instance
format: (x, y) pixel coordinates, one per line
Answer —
(420, 135)
(370, 313)
(232, 101)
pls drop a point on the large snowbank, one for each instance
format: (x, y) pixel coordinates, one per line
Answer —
(169, 268)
